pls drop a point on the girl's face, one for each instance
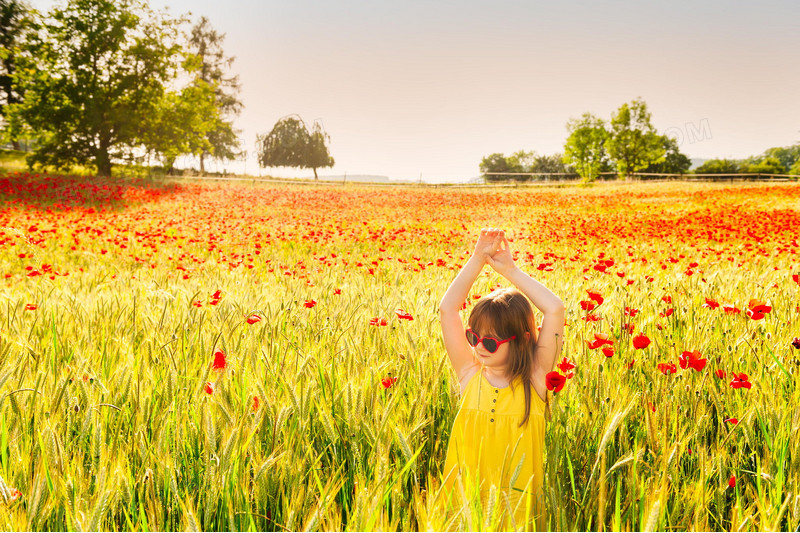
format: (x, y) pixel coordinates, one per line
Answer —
(497, 360)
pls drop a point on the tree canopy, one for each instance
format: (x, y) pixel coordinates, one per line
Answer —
(585, 146)
(291, 144)
(633, 143)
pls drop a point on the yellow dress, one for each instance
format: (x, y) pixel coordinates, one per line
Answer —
(487, 447)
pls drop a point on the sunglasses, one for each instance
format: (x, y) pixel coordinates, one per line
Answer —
(490, 343)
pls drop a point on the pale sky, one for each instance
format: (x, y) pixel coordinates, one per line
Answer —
(430, 87)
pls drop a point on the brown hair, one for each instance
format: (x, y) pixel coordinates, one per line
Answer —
(507, 312)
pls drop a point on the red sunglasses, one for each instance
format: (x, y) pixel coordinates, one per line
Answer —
(490, 343)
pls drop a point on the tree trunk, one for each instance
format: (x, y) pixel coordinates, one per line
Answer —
(15, 145)
(202, 164)
(103, 162)
(315, 174)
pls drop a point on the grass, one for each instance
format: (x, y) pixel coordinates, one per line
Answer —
(105, 423)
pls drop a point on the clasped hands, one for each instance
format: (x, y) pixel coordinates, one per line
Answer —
(493, 249)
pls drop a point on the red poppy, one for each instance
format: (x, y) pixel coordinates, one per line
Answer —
(220, 362)
(629, 328)
(630, 311)
(209, 388)
(740, 381)
(402, 315)
(591, 318)
(711, 304)
(14, 495)
(667, 299)
(388, 382)
(758, 311)
(733, 421)
(692, 360)
(595, 296)
(720, 373)
(796, 342)
(310, 303)
(587, 305)
(667, 313)
(630, 365)
(651, 406)
(732, 482)
(731, 309)
(608, 351)
(796, 278)
(555, 381)
(599, 340)
(30, 307)
(377, 321)
(641, 341)
(337, 291)
(667, 368)
(255, 403)
(565, 365)
(252, 319)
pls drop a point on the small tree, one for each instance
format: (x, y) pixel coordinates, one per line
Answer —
(585, 148)
(719, 166)
(634, 144)
(494, 163)
(290, 144)
(16, 19)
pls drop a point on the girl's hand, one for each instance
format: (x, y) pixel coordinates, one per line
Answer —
(488, 244)
(501, 260)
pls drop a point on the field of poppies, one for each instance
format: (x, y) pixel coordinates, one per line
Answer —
(248, 356)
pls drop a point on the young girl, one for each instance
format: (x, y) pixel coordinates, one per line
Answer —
(501, 362)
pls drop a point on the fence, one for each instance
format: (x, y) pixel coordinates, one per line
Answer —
(647, 176)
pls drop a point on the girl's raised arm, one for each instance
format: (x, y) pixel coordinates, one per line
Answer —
(458, 349)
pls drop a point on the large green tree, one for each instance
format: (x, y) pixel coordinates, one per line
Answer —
(16, 19)
(206, 44)
(585, 148)
(633, 143)
(290, 144)
(93, 76)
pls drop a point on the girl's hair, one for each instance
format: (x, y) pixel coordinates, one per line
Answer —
(507, 312)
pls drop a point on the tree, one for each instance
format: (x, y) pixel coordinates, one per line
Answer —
(93, 77)
(494, 163)
(719, 166)
(290, 144)
(585, 148)
(763, 165)
(223, 141)
(787, 155)
(674, 161)
(15, 21)
(633, 143)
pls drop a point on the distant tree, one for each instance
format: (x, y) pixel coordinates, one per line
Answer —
(633, 144)
(290, 144)
(787, 155)
(550, 164)
(223, 140)
(585, 148)
(92, 77)
(763, 165)
(719, 166)
(492, 163)
(16, 18)
(795, 170)
(674, 161)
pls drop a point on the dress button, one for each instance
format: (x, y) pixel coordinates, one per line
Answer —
(494, 400)
(492, 420)
(497, 391)
(493, 410)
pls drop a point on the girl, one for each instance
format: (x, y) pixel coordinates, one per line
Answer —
(501, 363)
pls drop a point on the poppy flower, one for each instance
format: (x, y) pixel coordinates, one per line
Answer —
(720, 373)
(30, 307)
(733, 421)
(209, 388)
(220, 362)
(666, 299)
(14, 494)
(629, 328)
(796, 342)
(402, 315)
(555, 381)
(630, 311)
(667, 313)
(796, 278)
(256, 403)
(377, 321)
(565, 365)
(599, 340)
(252, 319)
(732, 482)
(388, 382)
(310, 303)
(595, 296)
(586, 305)
(740, 381)
(667, 368)
(692, 360)
(608, 351)
(711, 304)
(641, 341)
(591, 318)
(731, 309)
(337, 291)
(757, 312)
(630, 365)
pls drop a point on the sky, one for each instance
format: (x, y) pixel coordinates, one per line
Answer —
(423, 90)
